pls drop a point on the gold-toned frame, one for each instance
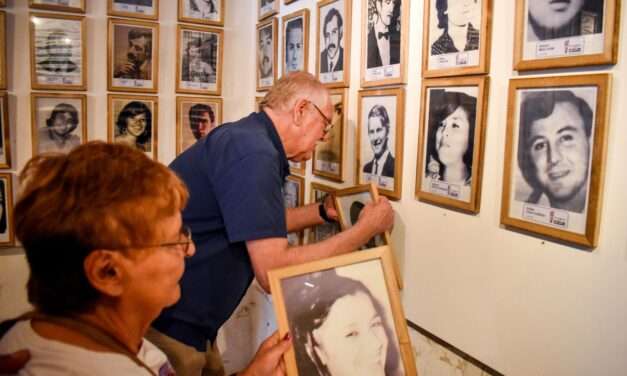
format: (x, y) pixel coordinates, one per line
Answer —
(403, 53)
(275, 10)
(217, 102)
(328, 175)
(374, 193)
(8, 205)
(33, 60)
(3, 51)
(219, 22)
(312, 200)
(6, 139)
(304, 13)
(482, 84)
(611, 26)
(595, 193)
(258, 100)
(289, 1)
(219, 61)
(485, 40)
(346, 30)
(154, 55)
(33, 116)
(299, 169)
(3, 3)
(399, 93)
(275, 63)
(384, 254)
(57, 7)
(117, 13)
(155, 117)
(301, 201)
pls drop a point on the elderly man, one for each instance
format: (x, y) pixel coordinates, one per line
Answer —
(239, 222)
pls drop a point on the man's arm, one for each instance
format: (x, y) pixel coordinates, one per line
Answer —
(298, 219)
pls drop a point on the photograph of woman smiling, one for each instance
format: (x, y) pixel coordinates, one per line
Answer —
(134, 126)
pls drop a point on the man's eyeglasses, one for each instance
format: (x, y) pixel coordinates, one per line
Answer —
(328, 125)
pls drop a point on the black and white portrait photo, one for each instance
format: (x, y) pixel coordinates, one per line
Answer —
(58, 122)
(6, 209)
(333, 56)
(267, 7)
(58, 53)
(199, 56)
(550, 19)
(135, 8)
(350, 207)
(328, 154)
(133, 55)
(295, 39)
(196, 117)
(319, 193)
(202, 11)
(133, 122)
(266, 53)
(383, 40)
(293, 197)
(77, 6)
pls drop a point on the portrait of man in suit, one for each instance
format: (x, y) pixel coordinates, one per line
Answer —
(382, 163)
(58, 53)
(332, 57)
(384, 33)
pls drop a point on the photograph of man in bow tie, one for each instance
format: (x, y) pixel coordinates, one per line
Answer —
(384, 33)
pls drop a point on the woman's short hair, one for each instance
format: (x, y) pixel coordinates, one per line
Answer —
(442, 105)
(131, 110)
(99, 196)
(290, 88)
(310, 298)
(60, 109)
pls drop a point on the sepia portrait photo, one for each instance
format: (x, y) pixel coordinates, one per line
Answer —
(267, 8)
(210, 12)
(333, 42)
(555, 141)
(451, 142)
(267, 53)
(195, 118)
(379, 145)
(133, 56)
(6, 210)
(57, 51)
(328, 156)
(76, 6)
(133, 122)
(295, 41)
(58, 122)
(293, 197)
(5, 140)
(344, 316)
(147, 9)
(199, 60)
(319, 193)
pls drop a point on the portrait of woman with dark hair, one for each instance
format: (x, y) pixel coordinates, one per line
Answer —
(549, 19)
(134, 126)
(339, 328)
(459, 21)
(59, 133)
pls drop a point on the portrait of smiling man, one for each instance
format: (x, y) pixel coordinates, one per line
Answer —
(382, 163)
(332, 57)
(554, 148)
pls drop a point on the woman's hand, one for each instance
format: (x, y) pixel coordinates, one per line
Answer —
(12, 363)
(268, 360)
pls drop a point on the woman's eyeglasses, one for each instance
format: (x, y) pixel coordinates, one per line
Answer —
(186, 235)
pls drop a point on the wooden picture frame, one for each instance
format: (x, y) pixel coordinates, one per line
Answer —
(74, 6)
(298, 168)
(52, 31)
(294, 197)
(208, 44)
(265, 80)
(328, 156)
(7, 230)
(592, 39)
(453, 110)
(117, 103)
(192, 13)
(357, 287)
(555, 156)
(299, 59)
(267, 8)
(185, 133)
(441, 57)
(374, 71)
(5, 138)
(124, 74)
(3, 3)
(335, 13)
(389, 176)
(133, 10)
(317, 194)
(286, 2)
(258, 100)
(3, 50)
(66, 108)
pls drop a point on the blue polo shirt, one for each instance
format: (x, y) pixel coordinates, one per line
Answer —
(235, 177)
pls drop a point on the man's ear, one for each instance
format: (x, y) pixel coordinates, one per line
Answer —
(299, 111)
(104, 271)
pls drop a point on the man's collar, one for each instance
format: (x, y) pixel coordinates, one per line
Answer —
(276, 141)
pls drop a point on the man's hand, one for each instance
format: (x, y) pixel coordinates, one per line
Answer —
(12, 363)
(269, 358)
(329, 207)
(378, 216)
(125, 68)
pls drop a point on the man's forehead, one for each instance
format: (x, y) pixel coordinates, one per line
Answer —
(564, 115)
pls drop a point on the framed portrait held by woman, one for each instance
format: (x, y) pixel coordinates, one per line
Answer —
(318, 193)
(384, 36)
(133, 56)
(333, 42)
(58, 122)
(195, 118)
(294, 197)
(6, 208)
(456, 37)
(58, 53)
(450, 153)
(208, 12)
(379, 140)
(146, 9)
(75, 6)
(267, 47)
(5, 139)
(555, 156)
(559, 34)
(295, 48)
(344, 315)
(199, 60)
(328, 156)
(133, 121)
